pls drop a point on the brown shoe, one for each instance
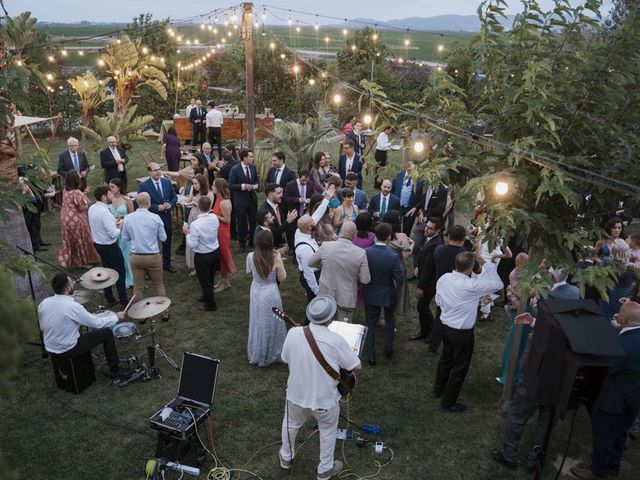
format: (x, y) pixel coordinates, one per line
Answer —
(584, 474)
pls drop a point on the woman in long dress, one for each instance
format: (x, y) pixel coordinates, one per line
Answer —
(77, 246)
(171, 149)
(199, 187)
(402, 245)
(120, 206)
(222, 209)
(266, 333)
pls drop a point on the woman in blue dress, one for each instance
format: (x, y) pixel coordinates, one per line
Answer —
(120, 206)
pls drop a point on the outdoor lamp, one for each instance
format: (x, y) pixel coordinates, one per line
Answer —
(501, 188)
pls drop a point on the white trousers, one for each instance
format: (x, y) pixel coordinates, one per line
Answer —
(295, 417)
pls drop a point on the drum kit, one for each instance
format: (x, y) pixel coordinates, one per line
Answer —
(99, 278)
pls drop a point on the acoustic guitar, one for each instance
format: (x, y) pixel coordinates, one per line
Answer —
(346, 378)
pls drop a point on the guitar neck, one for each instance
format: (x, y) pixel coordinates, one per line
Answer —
(283, 316)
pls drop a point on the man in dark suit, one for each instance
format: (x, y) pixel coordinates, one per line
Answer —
(208, 160)
(357, 138)
(224, 172)
(618, 404)
(426, 288)
(297, 195)
(279, 173)
(198, 118)
(360, 197)
(244, 182)
(163, 199)
(408, 190)
(350, 162)
(281, 224)
(114, 160)
(380, 292)
(432, 203)
(72, 159)
(384, 201)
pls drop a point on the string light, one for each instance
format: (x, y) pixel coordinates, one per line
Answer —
(283, 56)
(290, 21)
(326, 39)
(64, 52)
(81, 53)
(296, 69)
(297, 29)
(312, 81)
(272, 46)
(374, 37)
(353, 48)
(19, 63)
(101, 62)
(49, 76)
(317, 27)
(406, 42)
(145, 50)
(440, 48)
(502, 188)
(337, 98)
(345, 32)
(51, 58)
(418, 147)
(367, 118)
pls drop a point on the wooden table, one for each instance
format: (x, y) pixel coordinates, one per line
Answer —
(232, 128)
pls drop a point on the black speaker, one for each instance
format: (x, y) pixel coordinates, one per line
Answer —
(571, 348)
(73, 374)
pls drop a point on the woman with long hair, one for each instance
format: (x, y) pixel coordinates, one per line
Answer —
(223, 210)
(402, 245)
(200, 186)
(171, 149)
(318, 171)
(614, 229)
(266, 333)
(120, 206)
(77, 246)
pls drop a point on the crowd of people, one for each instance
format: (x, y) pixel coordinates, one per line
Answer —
(352, 254)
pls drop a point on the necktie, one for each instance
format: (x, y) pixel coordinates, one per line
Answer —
(159, 188)
(383, 209)
(427, 198)
(246, 173)
(303, 194)
(277, 210)
(278, 175)
(76, 164)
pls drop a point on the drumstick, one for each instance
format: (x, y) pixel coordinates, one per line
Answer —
(129, 304)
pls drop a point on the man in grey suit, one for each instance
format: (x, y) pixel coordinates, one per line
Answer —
(343, 265)
(73, 159)
(380, 293)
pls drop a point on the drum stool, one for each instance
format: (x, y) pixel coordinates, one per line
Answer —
(73, 374)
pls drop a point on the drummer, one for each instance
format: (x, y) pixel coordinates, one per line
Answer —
(60, 317)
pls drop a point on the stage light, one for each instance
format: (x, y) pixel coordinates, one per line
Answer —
(196, 41)
(418, 147)
(118, 41)
(439, 68)
(401, 60)
(188, 42)
(210, 27)
(502, 188)
(367, 119)
(337, 99)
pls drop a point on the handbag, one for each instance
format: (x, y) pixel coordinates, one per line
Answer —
(346, 378)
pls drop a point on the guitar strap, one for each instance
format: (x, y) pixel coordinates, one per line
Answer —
(318, 354)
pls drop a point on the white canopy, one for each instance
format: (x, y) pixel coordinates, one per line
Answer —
(23, 121)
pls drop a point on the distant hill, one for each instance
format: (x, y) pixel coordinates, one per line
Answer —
(466, 23)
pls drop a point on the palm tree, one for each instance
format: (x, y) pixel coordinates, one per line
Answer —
(92, 93)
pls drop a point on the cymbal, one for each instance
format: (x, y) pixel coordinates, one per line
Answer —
(149, 307)
(81, 296)
(98, 278)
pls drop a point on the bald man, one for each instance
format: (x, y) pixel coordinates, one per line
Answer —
(143, 229)
(342, 266)
(113, 159)
(305, 246)
(618, 404)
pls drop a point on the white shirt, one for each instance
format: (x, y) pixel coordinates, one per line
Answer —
(382, 142)
(303, 252)
(627, 329)
(60, 316)
(457, 295)
(203, 233)
(115, 153)
(276, 212)
(309, 386)
(279, 174)
(187, 111)
(214, 118)
(348, 165)
(102, 224)
(144, 228)
(320, 211)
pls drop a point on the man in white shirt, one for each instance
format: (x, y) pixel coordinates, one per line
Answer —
(305, 246)
(187, 110)
(202, 237)
(60, 317)
(105, 233)
(214, 121)
(383, 145)
(311, 391)
(457, 295)
(143, 229)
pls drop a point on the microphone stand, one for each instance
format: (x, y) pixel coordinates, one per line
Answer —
(40, 344)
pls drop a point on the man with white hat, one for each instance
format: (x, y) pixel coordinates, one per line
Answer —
(311, 391)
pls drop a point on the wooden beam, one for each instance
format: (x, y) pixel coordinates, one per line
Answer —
(247, 33)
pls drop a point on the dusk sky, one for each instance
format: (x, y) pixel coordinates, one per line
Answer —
(125, 10)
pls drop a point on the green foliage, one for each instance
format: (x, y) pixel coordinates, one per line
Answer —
(128, 129)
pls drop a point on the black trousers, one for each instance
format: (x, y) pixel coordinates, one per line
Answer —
(407, 222)
(436, 332)
(457, 350)
(32, 220)
(372, 316)
(609, 435)
(207, 264)
(88, 340)
(215, 136)
(167, 220)
(246, 218)
(425, 316)
(111, 257)
(199, 134)
(305, 284)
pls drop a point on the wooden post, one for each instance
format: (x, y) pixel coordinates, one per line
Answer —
(246, 32)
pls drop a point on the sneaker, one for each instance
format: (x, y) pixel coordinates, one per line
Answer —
(120, 372)
(285, 464)
(337, 468)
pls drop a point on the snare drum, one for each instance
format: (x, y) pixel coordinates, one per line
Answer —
(124, 330)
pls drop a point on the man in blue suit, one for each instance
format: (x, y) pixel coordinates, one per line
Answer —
(386, 274)
(618, 404)
(244, 182)
(409, 190)
(163, 199)
(350, 162)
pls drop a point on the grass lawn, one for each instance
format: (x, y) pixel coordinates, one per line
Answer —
(103, 433)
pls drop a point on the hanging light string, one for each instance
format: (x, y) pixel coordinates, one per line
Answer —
(543, 161)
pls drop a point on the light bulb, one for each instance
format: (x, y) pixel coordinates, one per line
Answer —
(367, 119)
(337, 98)
(418, 147)
(502, 188)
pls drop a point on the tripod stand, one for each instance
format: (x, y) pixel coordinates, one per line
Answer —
(40, 344)
(157, 348)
